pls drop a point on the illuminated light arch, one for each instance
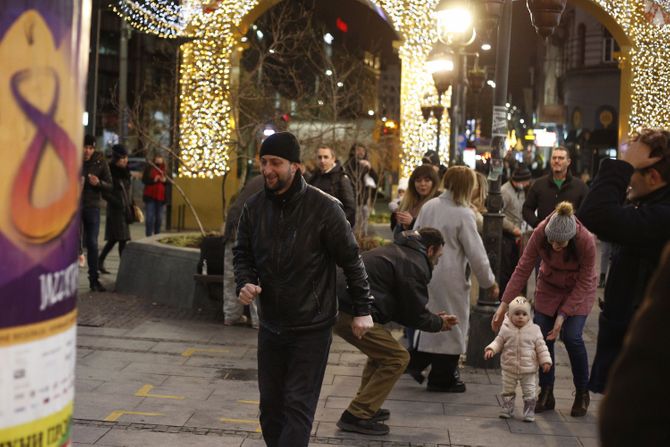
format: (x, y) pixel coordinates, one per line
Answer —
(206, 120)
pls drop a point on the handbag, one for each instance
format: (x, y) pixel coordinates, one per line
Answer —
(138, 214)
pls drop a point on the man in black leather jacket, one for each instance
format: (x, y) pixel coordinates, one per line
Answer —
(290, 238)
(399, 274)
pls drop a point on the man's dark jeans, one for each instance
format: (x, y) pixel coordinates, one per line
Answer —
(90, 224)
(290, 372)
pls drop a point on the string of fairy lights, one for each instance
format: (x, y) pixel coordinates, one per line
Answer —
(207, 120)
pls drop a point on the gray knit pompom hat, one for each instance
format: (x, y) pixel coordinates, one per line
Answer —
(562, 225)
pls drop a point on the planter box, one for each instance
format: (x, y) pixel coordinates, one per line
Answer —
(164, 274)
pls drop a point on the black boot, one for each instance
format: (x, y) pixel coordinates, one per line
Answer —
(581, 403)
(96, 286)
(545, 400)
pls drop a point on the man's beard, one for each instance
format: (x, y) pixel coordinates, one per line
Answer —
(280, 184)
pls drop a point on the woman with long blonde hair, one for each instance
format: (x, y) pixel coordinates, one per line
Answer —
(449, 288)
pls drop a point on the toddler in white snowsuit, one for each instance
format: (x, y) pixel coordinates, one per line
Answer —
(523, 350)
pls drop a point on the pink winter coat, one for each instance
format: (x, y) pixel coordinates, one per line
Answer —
(568, 287)
(523, 349)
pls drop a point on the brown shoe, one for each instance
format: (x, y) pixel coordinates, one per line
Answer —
(581, 404)
(545, 400)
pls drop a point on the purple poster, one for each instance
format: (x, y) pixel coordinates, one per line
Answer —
(43, 61)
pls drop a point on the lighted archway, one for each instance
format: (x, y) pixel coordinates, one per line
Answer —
(206, 120)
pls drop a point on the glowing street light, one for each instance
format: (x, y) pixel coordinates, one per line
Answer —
(486, 47)
(455, 24)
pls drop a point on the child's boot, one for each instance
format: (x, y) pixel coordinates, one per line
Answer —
(529, 410)
(507, 406)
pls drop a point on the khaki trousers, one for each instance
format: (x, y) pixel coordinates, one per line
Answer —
(387, 360)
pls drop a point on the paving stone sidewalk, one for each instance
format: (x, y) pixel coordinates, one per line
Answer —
(150, 375)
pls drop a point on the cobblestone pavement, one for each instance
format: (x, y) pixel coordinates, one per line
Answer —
(151, 375)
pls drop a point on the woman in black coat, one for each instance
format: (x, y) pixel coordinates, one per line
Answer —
(119, 205)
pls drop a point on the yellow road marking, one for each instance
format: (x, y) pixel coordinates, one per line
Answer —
(144, 392)
(242, 421)
(115, 415)
(251, 402)
(190, 351)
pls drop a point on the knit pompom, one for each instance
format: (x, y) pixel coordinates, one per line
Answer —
(565, 209)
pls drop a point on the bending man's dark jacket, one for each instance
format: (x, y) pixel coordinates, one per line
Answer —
(638, 233)
(290, 245)
(399, 274)
(91, 195)
(544, 195)
(338, 184)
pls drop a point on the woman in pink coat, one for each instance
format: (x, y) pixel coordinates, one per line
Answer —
(564, 296)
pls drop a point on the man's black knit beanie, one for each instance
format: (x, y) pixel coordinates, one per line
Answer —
(282, 144)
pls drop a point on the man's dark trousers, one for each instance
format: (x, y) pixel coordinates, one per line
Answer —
(291, 366)
(90, 223)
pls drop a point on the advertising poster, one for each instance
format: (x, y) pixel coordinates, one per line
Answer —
(43, 62)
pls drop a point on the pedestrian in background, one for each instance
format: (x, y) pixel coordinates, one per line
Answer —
(96, 180)
(523, 352)
(449, 289)
(119, 205)
(330, 178)
(154, 178)
(364, 180)
(637, 229)
(233, 309)
(422, 186)
(290, 238)
(564, 296)
(515, 231)
(549, 190)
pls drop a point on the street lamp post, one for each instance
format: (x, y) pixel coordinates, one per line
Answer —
(481, 333)
(440, 65)
(455, 29)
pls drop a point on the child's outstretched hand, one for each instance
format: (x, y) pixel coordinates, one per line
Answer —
(488, 354)
(546, 367)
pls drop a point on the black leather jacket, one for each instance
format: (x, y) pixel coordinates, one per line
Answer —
(290, 245)
(91, 195)
(399, 274)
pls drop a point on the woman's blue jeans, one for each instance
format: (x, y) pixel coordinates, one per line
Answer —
(153, 213)
(571, 335)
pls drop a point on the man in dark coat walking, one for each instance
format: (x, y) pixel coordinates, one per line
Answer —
(331, 179)
(638, 231)
(399, 274)
(96, 179)
(550, 190)
(290, 238)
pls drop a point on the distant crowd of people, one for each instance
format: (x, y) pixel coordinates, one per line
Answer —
(292, 233)
(111, 181)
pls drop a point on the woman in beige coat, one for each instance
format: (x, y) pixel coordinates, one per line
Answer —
(449, 289)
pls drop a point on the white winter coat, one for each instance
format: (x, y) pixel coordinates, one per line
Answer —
(449, 289)
(523, 349)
